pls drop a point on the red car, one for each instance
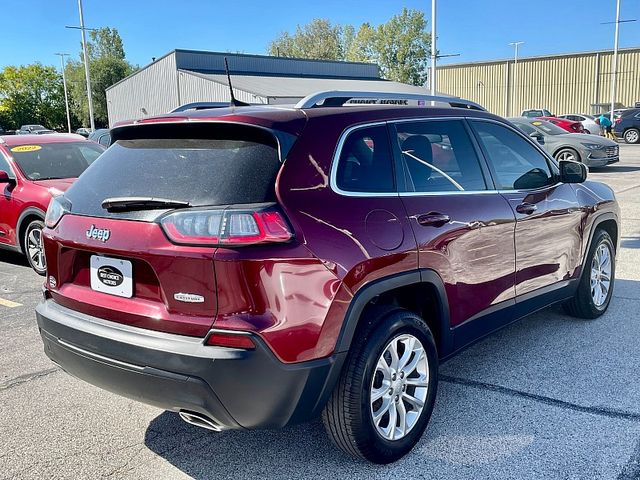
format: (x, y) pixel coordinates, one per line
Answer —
(254, 267)
(33, 169)
(568, 125)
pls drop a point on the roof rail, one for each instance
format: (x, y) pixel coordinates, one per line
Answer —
(199, 106)
(338, 98)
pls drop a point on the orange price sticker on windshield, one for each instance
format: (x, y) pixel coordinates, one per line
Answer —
(26, 148)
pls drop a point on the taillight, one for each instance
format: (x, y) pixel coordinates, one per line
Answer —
(617, 120)
(230, 340)
(226, 226)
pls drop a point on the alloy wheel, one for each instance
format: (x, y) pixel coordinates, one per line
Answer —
(35, 249)
(601, 275)
(567, 155)
(632, 136)
(399, 387)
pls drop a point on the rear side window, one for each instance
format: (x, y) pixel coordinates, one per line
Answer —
(438, 156)
(366, 163)
(517, 164)
(203, 172)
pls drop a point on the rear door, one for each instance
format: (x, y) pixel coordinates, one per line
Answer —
(463, 227)
(548, 216)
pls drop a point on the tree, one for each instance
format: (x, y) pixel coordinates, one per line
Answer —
(319, 39)
(31, 94)
(107, 65)
(400, 47)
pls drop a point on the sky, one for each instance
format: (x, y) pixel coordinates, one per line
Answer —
(33, 30)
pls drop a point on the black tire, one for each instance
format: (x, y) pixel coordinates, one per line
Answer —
(566, 152)
(582, 304)
(38, 263)
(632, 135)
(348, 417)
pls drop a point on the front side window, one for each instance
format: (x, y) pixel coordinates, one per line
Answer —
(366, 163)
(55, 160)
(438, 156)
(4, 166)
(516, 163)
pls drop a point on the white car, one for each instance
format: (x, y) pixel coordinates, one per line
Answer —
(587, 121)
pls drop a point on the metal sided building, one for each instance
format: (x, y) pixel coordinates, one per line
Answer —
(573, 83)
(186, 76)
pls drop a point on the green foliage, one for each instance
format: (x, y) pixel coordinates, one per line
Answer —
(31, 94)
(107, 65)
(318, 39)
(400, 47)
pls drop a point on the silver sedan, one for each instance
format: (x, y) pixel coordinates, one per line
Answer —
(592, 150)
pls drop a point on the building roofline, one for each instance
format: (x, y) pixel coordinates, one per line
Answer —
(206, 52)
(172, 52)
(255, 55)
(536, 57)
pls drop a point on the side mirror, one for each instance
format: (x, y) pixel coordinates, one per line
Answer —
(572, 172)
(4, 178)
(538, 137)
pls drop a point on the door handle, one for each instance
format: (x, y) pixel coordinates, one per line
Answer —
(526, 208)
(433, 219)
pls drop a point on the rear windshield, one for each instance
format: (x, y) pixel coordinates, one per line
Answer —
(199, 171)
(55, 160)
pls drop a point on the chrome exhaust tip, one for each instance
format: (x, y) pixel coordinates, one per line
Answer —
(199, 420)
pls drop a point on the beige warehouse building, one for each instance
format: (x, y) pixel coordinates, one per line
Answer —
(572, 83)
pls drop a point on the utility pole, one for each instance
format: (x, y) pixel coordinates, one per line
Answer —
(434, 51)
(515, 72)
(64, 83)
(86, 63)
(614, 68)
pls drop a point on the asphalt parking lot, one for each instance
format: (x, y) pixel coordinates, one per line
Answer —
(548, 397)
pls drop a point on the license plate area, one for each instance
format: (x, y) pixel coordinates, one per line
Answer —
(111, 276)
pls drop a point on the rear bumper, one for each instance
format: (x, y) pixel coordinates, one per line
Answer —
(235, 388)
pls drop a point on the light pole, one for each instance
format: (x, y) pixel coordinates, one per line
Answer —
(434, 52)
(64, 83)
(515, 71)
(614, 68)
(85, 54)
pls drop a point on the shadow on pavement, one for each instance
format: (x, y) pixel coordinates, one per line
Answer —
(526, 352)
(13, 258)
(614, 169)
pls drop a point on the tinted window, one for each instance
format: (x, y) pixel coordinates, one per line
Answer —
(236, 170)
(55, 160)
(516, 163)
(4, 166)
(365, 163)
(105, 140)
(438, 156)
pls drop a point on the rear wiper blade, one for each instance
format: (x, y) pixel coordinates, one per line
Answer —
(123, 204)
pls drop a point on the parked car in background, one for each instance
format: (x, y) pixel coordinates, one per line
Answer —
(592, 150)
(616, 113)
(85, 132)
(627, 126)
(33, 130)
(588, 122)
(101, 136)
(567, 125)
(33, 169)
(536, 112)
(254, 267)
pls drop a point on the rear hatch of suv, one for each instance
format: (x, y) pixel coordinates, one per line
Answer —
(134, 239)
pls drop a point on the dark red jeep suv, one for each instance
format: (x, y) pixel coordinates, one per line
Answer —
(253, 267)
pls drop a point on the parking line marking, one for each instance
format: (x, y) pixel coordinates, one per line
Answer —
(9, 303)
